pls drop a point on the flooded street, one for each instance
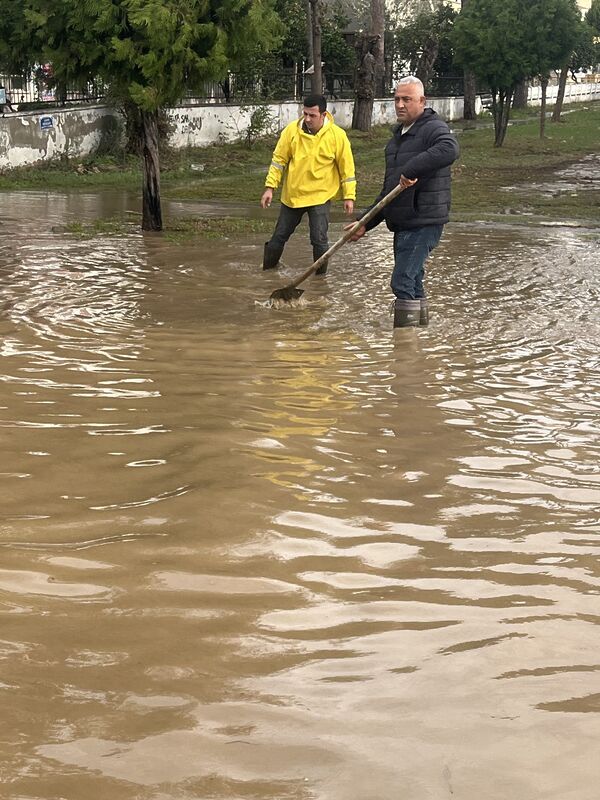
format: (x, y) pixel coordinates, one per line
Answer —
(250, 554)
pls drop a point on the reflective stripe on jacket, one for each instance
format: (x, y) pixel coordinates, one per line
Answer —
(314, 168)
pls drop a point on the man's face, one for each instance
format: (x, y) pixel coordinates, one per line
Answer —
(408, 102)
(313, 118)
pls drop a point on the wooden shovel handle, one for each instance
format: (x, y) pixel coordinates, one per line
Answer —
(348, 234)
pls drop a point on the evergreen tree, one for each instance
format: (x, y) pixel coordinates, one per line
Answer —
(149, 52)
(424, 45)
(592, 19)
(581, 58)
(504, 43)
(592, 16)
(16, 53)
(554, 30)
(488, 39)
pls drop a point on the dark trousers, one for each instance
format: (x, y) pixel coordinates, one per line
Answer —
(318, 223)
(411, 249)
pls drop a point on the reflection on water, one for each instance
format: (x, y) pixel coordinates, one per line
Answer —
(252, 553)
(583, 176)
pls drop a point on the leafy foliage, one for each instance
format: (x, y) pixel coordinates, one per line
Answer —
(427, 30)
(148, 51)
(261, 124)
(554, 27)
(592, 16)
(504, 43)
(335, 51)
(585, 52)
(401, 10)
(294, 44)
(15, 46)
(592, 20)
(488, 38)
(261, 73)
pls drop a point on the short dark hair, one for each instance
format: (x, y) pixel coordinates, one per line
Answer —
(315, 100)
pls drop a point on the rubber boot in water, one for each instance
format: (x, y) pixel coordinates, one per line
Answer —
(317, 253)
(424, 315)
(407, 313)
(271, 256)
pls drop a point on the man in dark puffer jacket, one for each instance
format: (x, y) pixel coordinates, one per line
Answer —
(418, 156)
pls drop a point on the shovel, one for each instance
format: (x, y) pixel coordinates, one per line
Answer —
(291, 291)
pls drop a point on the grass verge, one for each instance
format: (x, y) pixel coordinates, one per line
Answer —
(488, 182)
(178, 229)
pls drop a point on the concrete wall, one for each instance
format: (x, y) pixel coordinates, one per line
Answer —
(574, 93)
(32, 136)
(197, 126)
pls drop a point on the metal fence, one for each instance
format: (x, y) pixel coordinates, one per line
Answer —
(290, 85)
(447, 86)
(19, 92)
(287, 84)
(284, 85)
(37, 91)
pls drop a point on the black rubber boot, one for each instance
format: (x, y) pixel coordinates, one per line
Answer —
(317, 253)
(424, 316)
(271, 256)
(407, 313)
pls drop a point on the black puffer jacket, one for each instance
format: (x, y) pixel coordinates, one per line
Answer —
(425, 152)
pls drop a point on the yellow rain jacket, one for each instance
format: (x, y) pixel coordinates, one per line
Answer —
(314, 168)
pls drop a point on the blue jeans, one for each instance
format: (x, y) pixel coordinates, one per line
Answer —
(411, 249)
(318, 223)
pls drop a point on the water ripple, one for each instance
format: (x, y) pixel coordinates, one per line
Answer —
(337, 560)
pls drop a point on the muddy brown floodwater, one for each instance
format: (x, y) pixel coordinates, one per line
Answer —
(276, 555)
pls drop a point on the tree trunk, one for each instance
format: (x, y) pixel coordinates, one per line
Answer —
(151, 211)
(544, 85)
(469, 95)
(362, 114)
(309, 37)
(469, 84)
(560, 97)
(378, 30)
(60, 93)
(317, 76)
(368, 78)
(364, 83)
(496, 111)
(508, 95)
(521, 94)
(501, 99)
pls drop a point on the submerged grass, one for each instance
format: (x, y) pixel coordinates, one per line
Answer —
(179, 229)
(100, 227)
(183, 229)
(483, 175)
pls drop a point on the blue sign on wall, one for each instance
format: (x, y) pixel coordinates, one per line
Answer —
(46, 122)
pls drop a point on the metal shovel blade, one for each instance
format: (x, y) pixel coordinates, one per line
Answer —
(286, 295)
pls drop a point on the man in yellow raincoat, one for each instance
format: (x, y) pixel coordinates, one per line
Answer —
(314, 159)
